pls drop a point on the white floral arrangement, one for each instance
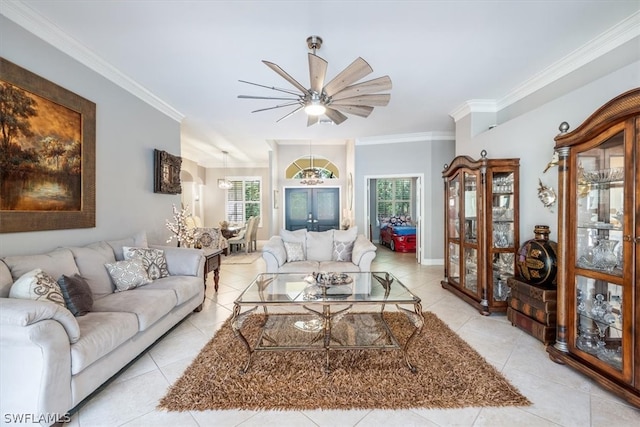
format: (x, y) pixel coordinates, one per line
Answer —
(184, 235)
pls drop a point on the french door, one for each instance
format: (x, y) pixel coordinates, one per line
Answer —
(316, 209)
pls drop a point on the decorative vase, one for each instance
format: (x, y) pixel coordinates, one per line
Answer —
(536, 260)
(604, 257)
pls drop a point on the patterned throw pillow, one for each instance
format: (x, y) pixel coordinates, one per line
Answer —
(295, 251)
(38, 286)
(153, 260)
(128, 274)
(77, 294)
(342, 251)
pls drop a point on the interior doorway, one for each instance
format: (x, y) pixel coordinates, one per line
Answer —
(415, 209)
(316, 209)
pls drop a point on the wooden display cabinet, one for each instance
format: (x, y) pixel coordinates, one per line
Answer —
(482, 229)
(598, 331)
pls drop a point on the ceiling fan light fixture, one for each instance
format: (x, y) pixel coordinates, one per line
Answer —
(314, 106)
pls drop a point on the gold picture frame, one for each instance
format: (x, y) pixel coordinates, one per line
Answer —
(47, 164)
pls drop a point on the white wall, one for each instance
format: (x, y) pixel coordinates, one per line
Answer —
(530, 137)
(128, 130)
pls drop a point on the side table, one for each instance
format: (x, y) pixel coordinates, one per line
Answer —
(213, 259)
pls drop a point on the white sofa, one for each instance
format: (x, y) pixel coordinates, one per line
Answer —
(50, 360)
(319, 251)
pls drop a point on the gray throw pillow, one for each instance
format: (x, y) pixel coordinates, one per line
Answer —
(294, 251)
(342, 251)
(77, 294)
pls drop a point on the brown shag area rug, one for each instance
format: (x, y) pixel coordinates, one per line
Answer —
(450, 374)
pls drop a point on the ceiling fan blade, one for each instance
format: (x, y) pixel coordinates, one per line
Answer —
(371, 86)
(317, 72)
(336, 116)
(286, 76)
(271, 87)
(312, 120)
(358, 110)
(267, 97)
(377, 100)
(354, 72)
(290, 114)
(288, 104)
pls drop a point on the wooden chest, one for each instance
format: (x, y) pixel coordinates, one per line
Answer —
(533, 309)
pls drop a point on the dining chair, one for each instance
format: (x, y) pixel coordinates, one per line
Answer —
(253, 242)
(243, 237)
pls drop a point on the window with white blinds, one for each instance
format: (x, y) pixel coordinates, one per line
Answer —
(394, 196)
(244, 199)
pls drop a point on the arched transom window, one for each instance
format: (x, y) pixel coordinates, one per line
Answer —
(321, 167)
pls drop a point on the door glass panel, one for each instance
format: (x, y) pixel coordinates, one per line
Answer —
(599, 319)
(454, 262)
(470, 208)
(298, 206)
(453, 210)
(600, 206)
(326, 206)
(471, 270)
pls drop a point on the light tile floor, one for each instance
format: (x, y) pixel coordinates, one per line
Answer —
(560, 396)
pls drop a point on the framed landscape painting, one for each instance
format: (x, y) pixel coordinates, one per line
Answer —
(47, 154)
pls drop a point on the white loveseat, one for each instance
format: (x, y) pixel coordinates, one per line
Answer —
(50, 360)
(321, 251)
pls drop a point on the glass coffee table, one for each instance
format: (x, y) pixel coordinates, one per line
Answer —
(326, 312)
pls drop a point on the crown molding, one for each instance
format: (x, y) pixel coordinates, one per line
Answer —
(474, 106)
(43, 28)
(409, 137)
(626, 30)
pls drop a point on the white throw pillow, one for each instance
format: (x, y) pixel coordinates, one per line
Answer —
(153, 260)
(37, 285)
(128, 274)
(294, 251)
(298, 236)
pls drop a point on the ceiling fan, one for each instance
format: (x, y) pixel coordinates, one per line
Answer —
(341, 95)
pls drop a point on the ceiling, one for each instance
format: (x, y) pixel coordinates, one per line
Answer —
(186, 58)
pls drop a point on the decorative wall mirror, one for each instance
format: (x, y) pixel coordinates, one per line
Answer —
(166, 173)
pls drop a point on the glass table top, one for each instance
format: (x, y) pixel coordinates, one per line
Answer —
(304, 288)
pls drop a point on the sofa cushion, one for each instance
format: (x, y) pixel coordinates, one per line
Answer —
(299, 267)
(127, 275)
(57, 262)
(295, 251)
(185, 287)
(148, 305)
(5, 280)
(138, 239)
(37, 285)
(100, 334)
(77, 294)
(338, 267)
(319, 245)
(342, 251)
(348, 235)
(91, 260)
(153, 260)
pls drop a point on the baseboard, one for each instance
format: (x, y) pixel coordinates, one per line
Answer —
(435, 261)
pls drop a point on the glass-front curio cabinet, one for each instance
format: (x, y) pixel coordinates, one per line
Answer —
(599, 235)
(481, 229)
